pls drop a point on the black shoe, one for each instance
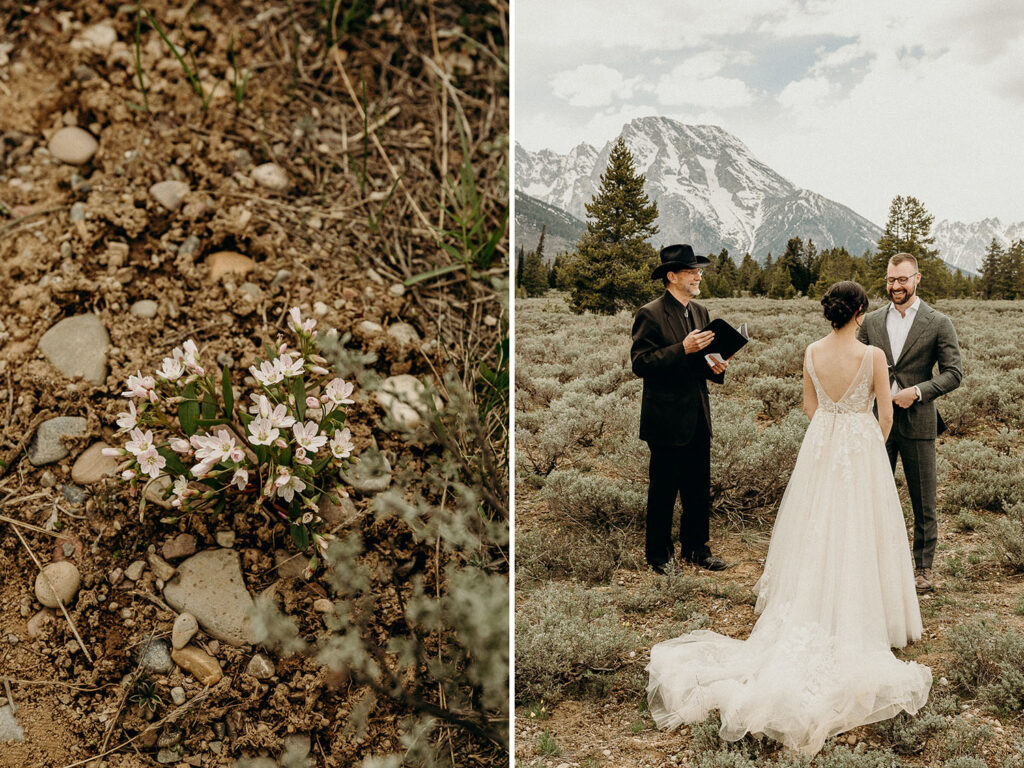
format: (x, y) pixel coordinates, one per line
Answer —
(707, 560)
(658, 568)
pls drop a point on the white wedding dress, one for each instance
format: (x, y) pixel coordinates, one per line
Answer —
(836, 593)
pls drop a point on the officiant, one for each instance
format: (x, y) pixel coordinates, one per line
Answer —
(675, 417)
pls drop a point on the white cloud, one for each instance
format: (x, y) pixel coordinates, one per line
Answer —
(697, 81)
(807, 93)
(592, 85)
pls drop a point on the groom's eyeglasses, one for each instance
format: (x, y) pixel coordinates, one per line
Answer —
(900, 280)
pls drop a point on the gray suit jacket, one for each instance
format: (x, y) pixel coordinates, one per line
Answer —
(930, 342)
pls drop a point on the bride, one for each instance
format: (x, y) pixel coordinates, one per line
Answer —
(838, 585)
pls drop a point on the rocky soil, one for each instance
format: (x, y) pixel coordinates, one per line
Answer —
(133, 217)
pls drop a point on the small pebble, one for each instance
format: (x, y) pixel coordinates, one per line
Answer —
(185, 628)
(271, 176)
(169, 193)
(323, 605)
(182, 545)
(73, 145)
(115, 576)
(134, 571)
(225, 538)
(47, 480)
(155, 656)
(397, 289)
(260, 667)
(57, 580)
(145, 308)
(178, 695)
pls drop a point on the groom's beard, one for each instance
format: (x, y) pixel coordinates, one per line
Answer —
(901, 296)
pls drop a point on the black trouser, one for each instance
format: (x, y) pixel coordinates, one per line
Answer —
(919, 468)
(683, 470)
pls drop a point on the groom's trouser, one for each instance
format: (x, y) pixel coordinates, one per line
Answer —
(919, 467)
(684, 471)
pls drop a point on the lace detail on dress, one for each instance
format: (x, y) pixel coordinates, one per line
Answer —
(860, 394)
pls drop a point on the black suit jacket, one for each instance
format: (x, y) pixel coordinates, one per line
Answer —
(675, 384)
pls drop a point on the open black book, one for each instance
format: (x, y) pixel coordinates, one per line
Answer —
(727, 341)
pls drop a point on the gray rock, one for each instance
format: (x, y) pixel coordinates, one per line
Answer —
(77, 346)
(185, 628)
(155, 656)
(397, 289)
(99, 36)
(77, 213)
(289, 565)
(10, 730)
(73, 145)
(92, 466)
(225, 538)
(370, 328)
(344, 513)
(210, 586)
(282, 277)
(161, 568)
(182, 545)
(371, 474)
(73, 494)
(83, 74)
(178, 695)
(188, 246)
(146, 308)
(134, 571)
(271, 176)
(167, 756)
(46, 446)
(47, 480)
(260, 667)
(404, 334)
(169, 193)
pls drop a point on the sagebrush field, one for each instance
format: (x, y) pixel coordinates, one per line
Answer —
(588, 610)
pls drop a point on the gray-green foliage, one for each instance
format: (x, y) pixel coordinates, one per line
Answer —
(594, 500)
(1008, 536)
(965, 761)
(568, 641)
(983, 477)
(908, 734)
(541, 556)
(446, 661)
(988, 663)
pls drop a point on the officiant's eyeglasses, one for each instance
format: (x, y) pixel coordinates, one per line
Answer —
(691, 271)
(900, 280)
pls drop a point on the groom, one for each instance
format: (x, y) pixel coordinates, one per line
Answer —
(915, 338)
(675, 418)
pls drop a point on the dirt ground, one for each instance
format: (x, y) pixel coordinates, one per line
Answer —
(620, 732)
(366, 135)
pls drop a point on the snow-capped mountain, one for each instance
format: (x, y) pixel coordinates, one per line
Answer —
(964, 245)
(711, 191)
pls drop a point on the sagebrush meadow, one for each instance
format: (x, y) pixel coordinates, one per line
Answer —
(588, 611)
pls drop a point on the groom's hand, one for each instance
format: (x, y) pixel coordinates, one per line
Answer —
(905, 397)
(695, 341)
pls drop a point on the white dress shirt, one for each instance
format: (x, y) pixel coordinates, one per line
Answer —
(897, 326)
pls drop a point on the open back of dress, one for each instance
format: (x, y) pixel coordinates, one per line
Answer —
(836, 594)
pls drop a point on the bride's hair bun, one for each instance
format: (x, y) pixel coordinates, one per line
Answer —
(844, 301)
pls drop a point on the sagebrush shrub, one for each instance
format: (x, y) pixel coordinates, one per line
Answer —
(1008, 536)
(594, 500)
(908, 734)
(777, 396)
(566, 638)
(544, 555)
(982, 477)
(988, 663)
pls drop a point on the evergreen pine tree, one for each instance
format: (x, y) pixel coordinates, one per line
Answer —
(520, 262)
(556, 269)
(908, 230)
(990, 270)
(748, 278)
(535, 275)
(724, 275)
(611, 268)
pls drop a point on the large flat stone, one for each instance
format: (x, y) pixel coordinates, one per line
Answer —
(92, 466)
(46, 446)
(77, 346)
(210, 586)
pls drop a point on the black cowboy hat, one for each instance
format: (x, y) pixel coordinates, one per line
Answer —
(676, 257)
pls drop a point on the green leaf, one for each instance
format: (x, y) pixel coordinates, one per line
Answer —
(173, 462)
(188, 411)
(209, 407)
(300, 536)
(299, 392)
(226, 391)
(320, 463)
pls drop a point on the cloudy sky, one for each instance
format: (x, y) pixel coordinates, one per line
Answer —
(859, 101)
